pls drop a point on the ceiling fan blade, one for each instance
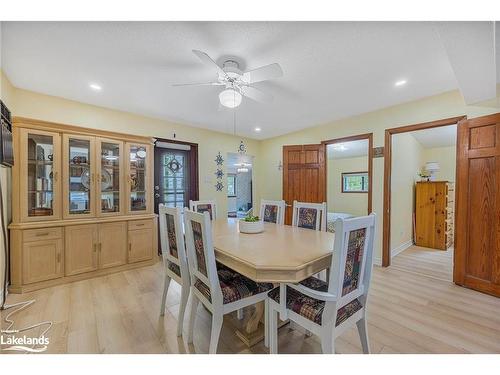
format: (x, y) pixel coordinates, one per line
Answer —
(256, 94)
(207, 60)
(263, 73)
(199, 84)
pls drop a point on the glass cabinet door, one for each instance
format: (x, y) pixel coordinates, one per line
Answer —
(109, 176)
(79, 176)
(138, 160)
(41, 160)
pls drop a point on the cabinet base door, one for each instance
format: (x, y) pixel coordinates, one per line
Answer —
(42, 260)
(112, 244)
(140, 246)
(80, 249)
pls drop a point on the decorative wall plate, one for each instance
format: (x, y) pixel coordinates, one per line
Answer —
(219, 186)
(219, 159)
(219, 174)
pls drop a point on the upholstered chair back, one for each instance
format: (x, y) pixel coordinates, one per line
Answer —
(204, 206)
(172, 242)
(309, 215)
(352, 263)
(272, 211)
(201, 255)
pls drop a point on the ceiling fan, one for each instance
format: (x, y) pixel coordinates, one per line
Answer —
(237, 83)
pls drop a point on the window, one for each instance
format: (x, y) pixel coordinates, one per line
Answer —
(355, 182)
(231, 185)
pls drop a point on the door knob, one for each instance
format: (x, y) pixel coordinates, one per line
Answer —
(157, 195)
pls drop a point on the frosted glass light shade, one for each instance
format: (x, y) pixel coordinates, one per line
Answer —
(432, 166)
(230, 98)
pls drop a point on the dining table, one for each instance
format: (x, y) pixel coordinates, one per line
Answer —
(278, 254)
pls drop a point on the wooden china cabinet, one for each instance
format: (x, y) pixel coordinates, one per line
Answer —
(81, 204)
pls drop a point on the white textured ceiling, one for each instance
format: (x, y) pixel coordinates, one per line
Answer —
(346, 150)
(444, 136)
(331, 69)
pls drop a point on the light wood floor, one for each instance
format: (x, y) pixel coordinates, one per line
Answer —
(412, 308)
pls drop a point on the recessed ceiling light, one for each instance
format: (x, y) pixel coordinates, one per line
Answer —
(95, 87)
(400, 83)
(257, 129)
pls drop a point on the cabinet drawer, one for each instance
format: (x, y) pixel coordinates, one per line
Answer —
(42, 234)
(140, 224)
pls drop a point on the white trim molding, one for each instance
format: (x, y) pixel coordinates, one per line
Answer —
(402, 247)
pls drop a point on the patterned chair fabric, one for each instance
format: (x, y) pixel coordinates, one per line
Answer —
(311, 308)
(205, 208)
(172, 239)
(352, 271)
(271, 213)
(198, 245)
(307, 218)
(234, 286)
(174, 268)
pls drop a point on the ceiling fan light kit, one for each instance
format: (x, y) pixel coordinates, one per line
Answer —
(230, 98)
(237, 83)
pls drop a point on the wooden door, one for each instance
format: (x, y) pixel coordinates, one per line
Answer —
(477, 253)
(42, 260)
(112, 246)
(304, 176)
(79, 176)
(140, 246)
(80, 248)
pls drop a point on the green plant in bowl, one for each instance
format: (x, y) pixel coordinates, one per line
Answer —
(251, 219)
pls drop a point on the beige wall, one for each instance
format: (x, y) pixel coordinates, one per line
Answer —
(446, 157)
(441, 106)
(407, 162)
(352, 203)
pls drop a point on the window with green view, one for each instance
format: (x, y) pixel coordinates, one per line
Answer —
(355, 182)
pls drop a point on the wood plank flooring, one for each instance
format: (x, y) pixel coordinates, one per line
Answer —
(412, 308)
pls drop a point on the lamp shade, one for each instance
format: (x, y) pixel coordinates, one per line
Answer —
(230, 98)
(432, 166)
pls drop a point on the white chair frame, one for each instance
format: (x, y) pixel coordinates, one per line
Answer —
(193, 206)
(281, 209)
(321, 212)
(333, 298)
(216, 306)
(181, 261)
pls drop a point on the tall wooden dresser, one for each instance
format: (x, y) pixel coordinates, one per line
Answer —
(434, 206)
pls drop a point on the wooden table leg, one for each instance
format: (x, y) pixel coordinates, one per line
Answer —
(253, 331)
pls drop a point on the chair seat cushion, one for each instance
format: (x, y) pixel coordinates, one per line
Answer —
(312, 308)
(234, 286)
(174, 268)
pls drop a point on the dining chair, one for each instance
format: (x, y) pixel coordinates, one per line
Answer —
(201, 206)
(329, 309)
(174, 258)
(220, 289)
(272, 211)
(309, 215)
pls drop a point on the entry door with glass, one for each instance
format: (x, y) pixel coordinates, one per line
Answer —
(172, 177)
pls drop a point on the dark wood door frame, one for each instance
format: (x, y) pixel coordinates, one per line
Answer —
(193, 166)
(369, 137)
(386, 232)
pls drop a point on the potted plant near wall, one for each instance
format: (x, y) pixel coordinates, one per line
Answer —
(251, 224)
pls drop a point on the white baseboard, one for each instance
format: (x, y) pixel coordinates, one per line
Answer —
(401, 248)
